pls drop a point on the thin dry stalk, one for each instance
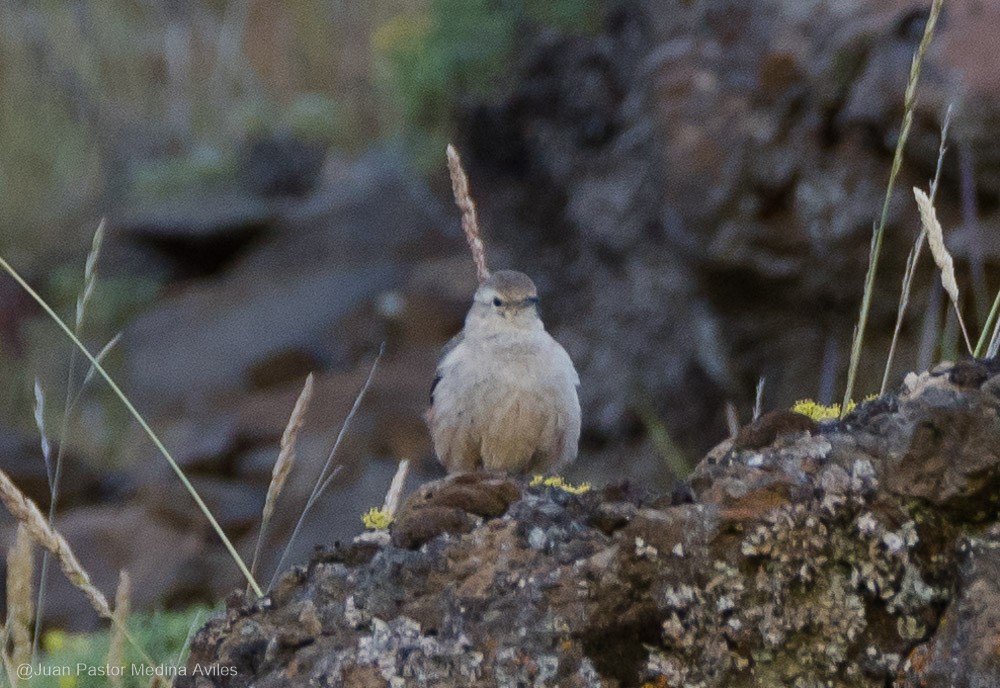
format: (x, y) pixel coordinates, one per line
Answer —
(185, 650)
(89, 275)
(134, 412)
(40, 424)
(988, 327)
(26, 511)
(394, 497)
(116, 648)
(914, 258)
(470, 222)
(20, 596)
(91, 371)
(327, 474)
(9, 667)
(994, 342)
(758, 403)
(732, 419)
(283, 466)
(909, 101)
(72, 399)
(935, 240)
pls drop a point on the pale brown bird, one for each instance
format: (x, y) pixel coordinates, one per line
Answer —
(505, 394)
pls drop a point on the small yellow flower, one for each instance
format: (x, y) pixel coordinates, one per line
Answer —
(69, 681)
(54, 640)
(377, 519)
(559, 483)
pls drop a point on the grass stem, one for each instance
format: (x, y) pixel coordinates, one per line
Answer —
(142, 423)
(909, 101)
(914, 258)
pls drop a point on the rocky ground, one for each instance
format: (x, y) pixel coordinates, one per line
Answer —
(835, 554)
(692, 189)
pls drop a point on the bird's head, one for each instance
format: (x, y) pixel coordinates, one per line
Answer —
(509, 298)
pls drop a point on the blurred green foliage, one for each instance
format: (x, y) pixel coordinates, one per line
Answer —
(164, 636)
(109, 101)
(462, 48)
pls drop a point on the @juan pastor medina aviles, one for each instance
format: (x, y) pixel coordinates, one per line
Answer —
(25, 671)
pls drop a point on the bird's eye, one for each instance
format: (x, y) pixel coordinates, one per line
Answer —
(497, 302)
(532, 300)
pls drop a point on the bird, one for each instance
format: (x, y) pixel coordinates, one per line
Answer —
(504, 398)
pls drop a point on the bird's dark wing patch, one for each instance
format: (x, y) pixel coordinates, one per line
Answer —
(437, 379)
(447, 349)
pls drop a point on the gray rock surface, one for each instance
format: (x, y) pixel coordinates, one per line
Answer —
(806, 561)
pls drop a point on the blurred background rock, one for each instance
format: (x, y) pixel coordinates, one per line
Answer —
(691, 183)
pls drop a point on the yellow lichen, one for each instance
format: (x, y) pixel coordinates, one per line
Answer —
(560, 483)
(818, 412)
(377, 519)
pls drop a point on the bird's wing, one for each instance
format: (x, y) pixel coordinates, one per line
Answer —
(566, 361)
(448, 348)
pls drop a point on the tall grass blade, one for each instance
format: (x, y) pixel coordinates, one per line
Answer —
(40, 425)
(914, 257)
(283, 466)
(942, 258)
(55, 475)
(326, 475)
(758, 403)
(20, 596)
(994, 341)
(142, 423)
(116, 644)
(987, 327)
(909, 101)
(394, 496)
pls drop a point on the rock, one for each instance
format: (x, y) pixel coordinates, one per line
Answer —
(963, 651)
(705, 179)
(166, 563)
(802, 562)
(197, 220)
(235, 505)
(286, 300)
(766, 429)
(22, 460)
(210, 340)
(280, 165)
(450, 506)
(195, 234)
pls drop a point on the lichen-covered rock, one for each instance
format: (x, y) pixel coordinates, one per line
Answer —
(854, 553)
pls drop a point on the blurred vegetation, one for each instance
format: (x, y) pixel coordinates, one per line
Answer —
(164, 636)
(458, 49)
(106, 100)
(111, 103)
